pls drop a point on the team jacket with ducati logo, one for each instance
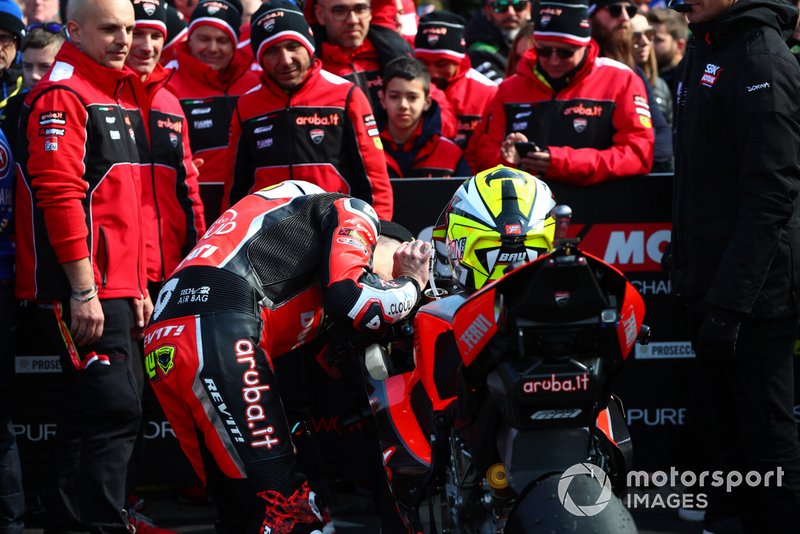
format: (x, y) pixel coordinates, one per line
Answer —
(78, 187)
(324, 133)
(597, 128)
(171, 205)
(208, 97)
(299, 254)
(470, 93)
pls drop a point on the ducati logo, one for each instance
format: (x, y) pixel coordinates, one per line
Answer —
(579, 124)
(545, 20)
(149, 9)
(433, 38)
(173, 138)
(212, 9)
(317, 135)
(270, 25)
(561, 298)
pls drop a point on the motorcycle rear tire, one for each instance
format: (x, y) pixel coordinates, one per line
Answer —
(540, 510)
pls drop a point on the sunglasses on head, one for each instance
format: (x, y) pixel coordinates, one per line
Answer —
(502, 7)
(52, 27)
(544, 52)
(615, 10)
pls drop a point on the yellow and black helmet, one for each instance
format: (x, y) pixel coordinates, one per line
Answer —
(498, 217)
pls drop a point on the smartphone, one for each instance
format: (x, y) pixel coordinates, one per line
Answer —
(524, 148)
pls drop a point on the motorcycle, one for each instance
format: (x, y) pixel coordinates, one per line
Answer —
(506, 422)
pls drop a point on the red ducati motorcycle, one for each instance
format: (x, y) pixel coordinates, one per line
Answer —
(507, 422)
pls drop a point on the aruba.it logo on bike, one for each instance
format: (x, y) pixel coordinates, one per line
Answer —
(580, 508)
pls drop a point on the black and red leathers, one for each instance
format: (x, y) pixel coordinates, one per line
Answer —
(254, 288)
(208, 97)
(171, 205)
(596, 128)
(324, 132)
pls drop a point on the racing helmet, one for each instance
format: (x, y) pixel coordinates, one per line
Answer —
(498, 217)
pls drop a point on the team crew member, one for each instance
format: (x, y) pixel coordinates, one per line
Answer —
(303, 122)
(414, 145)
(253, 289)
(440, 46)
(210, 75)
(81, 257)
(588, 116)
(171, 205)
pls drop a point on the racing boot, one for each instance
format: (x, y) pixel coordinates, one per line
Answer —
(295, 514)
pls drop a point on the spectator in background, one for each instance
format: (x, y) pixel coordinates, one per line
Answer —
(80, 258)
(414, 145)
(12, 497)
(587, 116)
(491, 31)
(177, 33)
(440, 46)
(11, 31)
(40, 45)
(303, 122)
(522, 43)
(41, 11)
(734, 250)
(352, 47)
(645, 58)
(612, 30)
(185, 7)
(669, 43)
(210, 74)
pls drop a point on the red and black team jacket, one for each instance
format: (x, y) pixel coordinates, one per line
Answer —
(324, 133)
(171, 205)
(208, 97)
(426, 153)
(302, 255)
(363, 67)
(78, 186)
(597, 128)
(470, 93)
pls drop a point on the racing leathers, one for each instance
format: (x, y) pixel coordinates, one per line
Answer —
(253, 288)
(596, 128)
(208, 97)
(324, 132)
(171, 205)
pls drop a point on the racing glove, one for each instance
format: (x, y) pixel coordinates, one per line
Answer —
(718, 334)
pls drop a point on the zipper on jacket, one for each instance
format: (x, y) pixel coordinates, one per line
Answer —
(102, 256)
(288, 110)
(161, 273)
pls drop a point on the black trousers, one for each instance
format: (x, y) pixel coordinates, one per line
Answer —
(748, 420)
(97, 423)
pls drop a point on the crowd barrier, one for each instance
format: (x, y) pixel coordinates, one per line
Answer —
(626, 223)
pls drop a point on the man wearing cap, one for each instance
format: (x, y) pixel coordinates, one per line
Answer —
(439, 44)
(255, 288)
(11, 31)
(81, 258)
(303, 122)
(587, 116)
(491, 31)
(171, 202)
(210, 75)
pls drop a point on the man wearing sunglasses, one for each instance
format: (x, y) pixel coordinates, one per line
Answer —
(587, 118)
(491, 31)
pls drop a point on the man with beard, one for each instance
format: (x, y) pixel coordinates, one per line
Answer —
(669, 43)
(612, 30)
(491, 31)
